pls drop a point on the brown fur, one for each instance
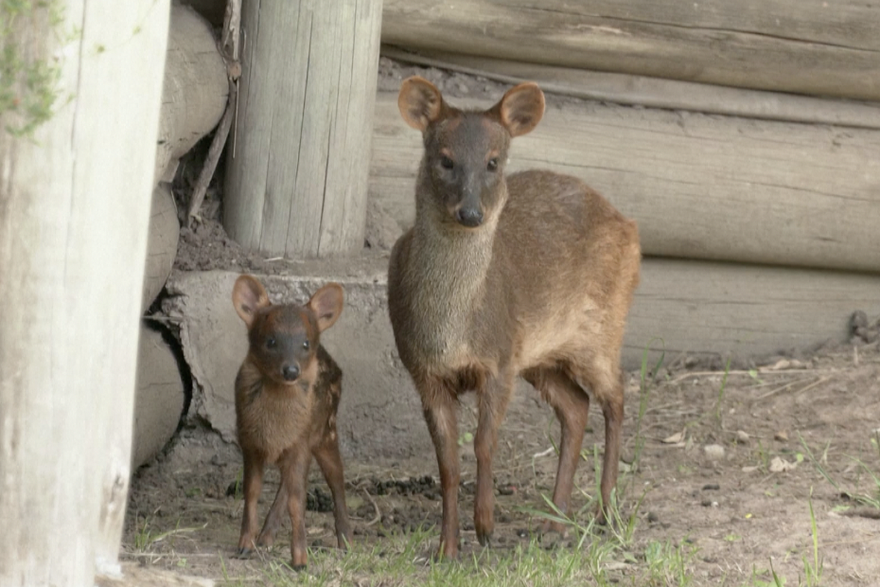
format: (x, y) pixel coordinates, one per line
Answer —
(540, 288)
(285, 419)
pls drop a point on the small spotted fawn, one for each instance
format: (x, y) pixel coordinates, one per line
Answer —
(286, 396)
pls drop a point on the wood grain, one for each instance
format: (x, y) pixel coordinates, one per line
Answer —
(638, 90)
(700, 187)
(296, 183)
(808, 47)
(74, 211)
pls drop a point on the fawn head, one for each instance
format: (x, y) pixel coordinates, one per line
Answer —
(284, 337)
(466, 152)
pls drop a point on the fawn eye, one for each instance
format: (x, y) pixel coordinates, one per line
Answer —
(271, 343)
(306, 344)
(446, 162)
(492, 165)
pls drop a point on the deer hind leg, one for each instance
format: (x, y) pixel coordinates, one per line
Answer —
(493, 401)
(274, 518)
(606, 382)
(572, 405)
(330, 461)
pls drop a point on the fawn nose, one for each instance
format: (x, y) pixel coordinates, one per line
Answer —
(290, 372)
(469, 216)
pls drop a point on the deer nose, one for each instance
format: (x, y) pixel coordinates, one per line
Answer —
(469, 216)
(290, 372)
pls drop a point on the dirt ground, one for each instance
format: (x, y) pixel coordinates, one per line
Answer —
(724, 462)
(740, 508)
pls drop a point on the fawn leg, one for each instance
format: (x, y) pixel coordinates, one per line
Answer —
(295, 473)
(439, 406)
(330, 461)
(493, 402)
(253, 483)
(273, 519)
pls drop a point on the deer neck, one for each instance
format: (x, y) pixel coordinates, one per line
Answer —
(451, 265)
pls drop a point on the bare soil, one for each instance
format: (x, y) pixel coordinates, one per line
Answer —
(736, 508)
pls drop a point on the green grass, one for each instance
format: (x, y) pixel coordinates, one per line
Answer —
(406, 560)
(871, 499)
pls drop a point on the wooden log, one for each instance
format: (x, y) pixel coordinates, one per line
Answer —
(194, 92)
(162, 242)
(782, 45)
(701, 187)
(706, 308)
(159, 397)
(296, 184)
(742, 310)
(637, 90)
(72, 251)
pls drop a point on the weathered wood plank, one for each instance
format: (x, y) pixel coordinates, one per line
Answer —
(637, 90)
(742, 310)
(296, 183)
(700, 307)
(195, 89)
(74, 210)
(704, 187)
(813, 47)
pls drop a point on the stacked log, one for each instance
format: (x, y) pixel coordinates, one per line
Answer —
(194, 97)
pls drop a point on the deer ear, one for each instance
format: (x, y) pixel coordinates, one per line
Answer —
(248, 296)
(521, 108)
(420, 102)
(327, 303)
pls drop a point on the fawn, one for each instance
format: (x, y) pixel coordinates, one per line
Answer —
(530, 275)
(286, 395)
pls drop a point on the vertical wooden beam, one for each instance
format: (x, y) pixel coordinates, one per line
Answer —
(74, 210)
(297, 178)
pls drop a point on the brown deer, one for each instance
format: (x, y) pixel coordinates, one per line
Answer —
(286, 396)
(530, 275)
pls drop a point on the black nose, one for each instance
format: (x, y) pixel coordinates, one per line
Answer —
(469, 216)
(290, 372)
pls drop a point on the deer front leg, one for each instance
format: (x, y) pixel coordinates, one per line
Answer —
(295, 473)
(253, 483)
(493, 401)
(440, 406)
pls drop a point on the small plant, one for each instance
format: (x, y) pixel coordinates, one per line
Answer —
(872, 501)
(720, 400)
(813, 570)
(146, 537)
(644, 393)
(668, 564)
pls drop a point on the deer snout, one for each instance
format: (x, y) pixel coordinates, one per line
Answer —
(469, 216)
(470, 211)
(290, 372)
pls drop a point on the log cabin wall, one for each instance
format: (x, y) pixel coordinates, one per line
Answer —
(743, 136)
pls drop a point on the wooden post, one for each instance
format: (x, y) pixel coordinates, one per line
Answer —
(300, 151)
(74, 209)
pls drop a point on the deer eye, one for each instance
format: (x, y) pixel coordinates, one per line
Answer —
(271, 343)
(306, 344)
(492, 165)
(446, 162)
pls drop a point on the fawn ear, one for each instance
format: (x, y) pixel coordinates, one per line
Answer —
(248, 296)
(420, 102)
(521, 108)
(327, 305)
